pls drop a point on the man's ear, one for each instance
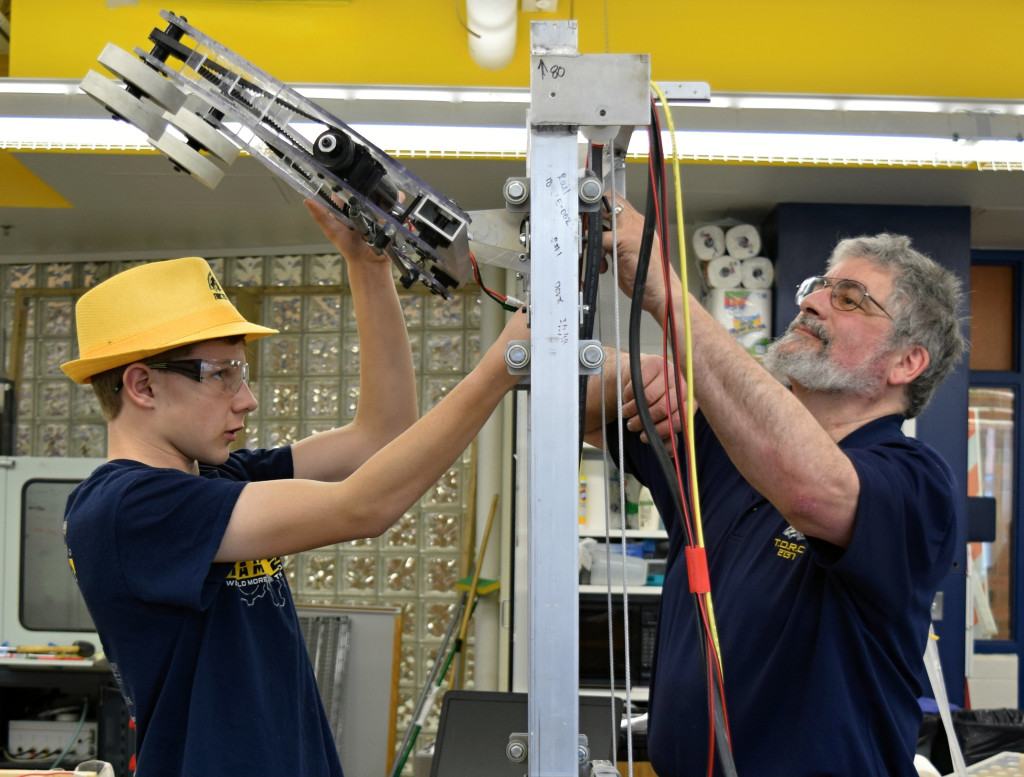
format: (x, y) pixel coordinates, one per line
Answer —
(136, 387)
(912, 363)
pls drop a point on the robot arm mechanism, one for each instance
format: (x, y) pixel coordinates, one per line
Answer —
(201, 104)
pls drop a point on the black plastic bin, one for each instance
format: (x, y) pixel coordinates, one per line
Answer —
(981, 734)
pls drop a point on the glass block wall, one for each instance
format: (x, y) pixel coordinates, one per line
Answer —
(307, 380)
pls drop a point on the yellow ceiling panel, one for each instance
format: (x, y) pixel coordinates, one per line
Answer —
(20, 188)
(941, 48)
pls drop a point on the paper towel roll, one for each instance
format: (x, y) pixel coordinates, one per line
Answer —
(722, 273)
(746, 314)
(757, 273)
(743, 241)
(708, 242)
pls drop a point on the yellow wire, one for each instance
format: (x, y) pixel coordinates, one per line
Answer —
(690, 440)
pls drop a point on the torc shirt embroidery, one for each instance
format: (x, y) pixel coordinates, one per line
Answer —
(791, 545)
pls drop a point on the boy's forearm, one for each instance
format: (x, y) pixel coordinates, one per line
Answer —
(387, 381)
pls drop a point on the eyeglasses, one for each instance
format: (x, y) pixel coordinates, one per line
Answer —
(846, 294)
(227, 374)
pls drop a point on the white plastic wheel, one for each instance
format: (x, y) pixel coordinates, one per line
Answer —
(134, 71)
(205, 135)
(189, 160)
(146, 116)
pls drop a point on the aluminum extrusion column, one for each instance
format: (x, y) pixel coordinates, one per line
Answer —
(567, 92)
(553, 467)
(553, 715)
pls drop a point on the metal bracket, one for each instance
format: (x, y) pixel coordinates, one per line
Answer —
(591, 356)
(517, 751)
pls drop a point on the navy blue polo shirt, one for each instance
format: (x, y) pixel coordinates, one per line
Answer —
(822, 646)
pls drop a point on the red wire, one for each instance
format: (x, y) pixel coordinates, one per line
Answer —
(480, 281)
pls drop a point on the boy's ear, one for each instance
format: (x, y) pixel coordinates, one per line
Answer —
(136, 386)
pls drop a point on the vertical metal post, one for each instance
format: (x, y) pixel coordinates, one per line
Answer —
(553, 712)
(568, 93)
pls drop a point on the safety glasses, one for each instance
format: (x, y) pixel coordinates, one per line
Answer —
(226, 374)
(846, 294)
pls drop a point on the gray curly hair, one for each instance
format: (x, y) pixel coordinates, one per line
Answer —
(923, 304)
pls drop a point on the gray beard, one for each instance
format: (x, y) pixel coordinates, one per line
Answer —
(814, 370)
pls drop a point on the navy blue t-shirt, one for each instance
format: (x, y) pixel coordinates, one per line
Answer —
(822, 648)
(210, 657)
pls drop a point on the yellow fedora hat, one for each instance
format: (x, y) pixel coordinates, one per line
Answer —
(150, 309)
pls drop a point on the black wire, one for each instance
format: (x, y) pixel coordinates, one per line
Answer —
(591, 277)
(635, 316)
(592, 265)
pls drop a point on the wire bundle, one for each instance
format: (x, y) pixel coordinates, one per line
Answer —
(688, 508)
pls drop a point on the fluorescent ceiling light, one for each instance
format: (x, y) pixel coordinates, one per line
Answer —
(444, 142)
(47, 134)
(415, 94)
(468, 142)
(49, 86)
(396, 95)
(878, 104)
(20, 133)
(721, 100)
(769, 102)
(509, 96)
(892, 105)
(40, 86)
(839, 150)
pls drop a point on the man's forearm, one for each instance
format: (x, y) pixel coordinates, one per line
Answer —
(774, 441)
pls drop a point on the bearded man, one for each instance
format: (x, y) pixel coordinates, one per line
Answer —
(828, 531)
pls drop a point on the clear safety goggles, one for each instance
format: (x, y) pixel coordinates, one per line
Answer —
(226, 374)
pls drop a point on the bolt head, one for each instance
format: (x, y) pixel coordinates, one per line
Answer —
(590, 190)
(515, 192)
